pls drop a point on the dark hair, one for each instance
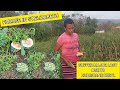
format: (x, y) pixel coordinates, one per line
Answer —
(68, 21)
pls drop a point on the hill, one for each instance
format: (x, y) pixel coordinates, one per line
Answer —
(115, 21)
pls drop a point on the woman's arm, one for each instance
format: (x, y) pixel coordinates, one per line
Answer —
(57, 47)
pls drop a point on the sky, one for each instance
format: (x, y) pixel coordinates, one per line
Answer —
(97, 14)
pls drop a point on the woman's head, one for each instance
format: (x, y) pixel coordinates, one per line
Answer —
(69, 26)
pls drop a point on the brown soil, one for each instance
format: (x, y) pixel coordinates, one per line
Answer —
(9, 75)
(20, 58)
(37, 74)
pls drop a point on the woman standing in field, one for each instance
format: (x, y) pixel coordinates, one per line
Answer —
(68, 42)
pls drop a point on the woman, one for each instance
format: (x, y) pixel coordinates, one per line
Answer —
(68, 42)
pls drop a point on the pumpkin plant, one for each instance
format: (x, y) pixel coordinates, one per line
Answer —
(18, 36)
(6, 62)
(4, 41)
(34, 60)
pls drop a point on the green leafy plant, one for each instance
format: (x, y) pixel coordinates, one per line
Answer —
(19, 34)
(58, 65)
(4, 66)
(4, 41)
(53, 67)
(34, 60)
(6, 62)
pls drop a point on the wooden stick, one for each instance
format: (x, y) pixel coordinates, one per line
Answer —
(68, 62)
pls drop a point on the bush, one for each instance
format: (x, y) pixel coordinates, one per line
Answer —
(87, 30)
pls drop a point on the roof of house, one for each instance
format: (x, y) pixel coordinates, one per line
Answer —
(117, 27)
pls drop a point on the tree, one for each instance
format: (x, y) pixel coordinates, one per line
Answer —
(7, 13)
(26, 12)
(91, 22)
(94, 23)
(88, 21)
(86, 25)
(73, 15)
(105, 26)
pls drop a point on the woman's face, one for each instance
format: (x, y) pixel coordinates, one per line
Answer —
(69, 29)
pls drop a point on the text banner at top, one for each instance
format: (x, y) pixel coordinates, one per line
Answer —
(31, 18)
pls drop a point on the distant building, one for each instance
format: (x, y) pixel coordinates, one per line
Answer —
(116, 27)
(101, 31)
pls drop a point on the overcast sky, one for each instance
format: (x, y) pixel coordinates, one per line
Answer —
(98, 14)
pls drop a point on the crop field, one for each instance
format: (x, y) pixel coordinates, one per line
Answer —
(19, 60)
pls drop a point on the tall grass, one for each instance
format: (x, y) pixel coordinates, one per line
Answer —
(103, 46)
(45, 46)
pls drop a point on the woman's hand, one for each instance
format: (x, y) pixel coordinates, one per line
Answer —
(79, 54)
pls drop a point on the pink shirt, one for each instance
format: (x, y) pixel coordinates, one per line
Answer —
(69, 45)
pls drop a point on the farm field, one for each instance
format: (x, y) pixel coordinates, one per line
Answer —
(27, 50)
(40, 61)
